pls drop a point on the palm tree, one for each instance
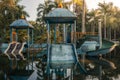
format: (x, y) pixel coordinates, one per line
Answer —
(42, 10)
(115, 20)
(105, 9)
(45, 8)
(67, 4)
(111, 23)
(79, 7)
(83, 17)
(93, 17)
(80, 12)
(21, 12)
(9, 11)
(7, 7)
(12, 8)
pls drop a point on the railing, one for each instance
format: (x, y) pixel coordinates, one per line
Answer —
(81, 34)
(59, 35)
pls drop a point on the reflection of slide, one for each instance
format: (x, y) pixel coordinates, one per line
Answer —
(63, 56)
(103, 62)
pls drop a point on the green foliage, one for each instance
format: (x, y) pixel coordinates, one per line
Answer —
(110, 19)
(44, 9)
(9, 12)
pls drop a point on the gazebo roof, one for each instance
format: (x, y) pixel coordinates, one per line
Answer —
(21, 24)
(60, 15)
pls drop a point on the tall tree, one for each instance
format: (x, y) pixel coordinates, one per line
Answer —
(78, 10)
(20, 10)
(105, 8)
(93, 17)
(114, 20)
(42, 10)
(83, 17)
(9, 12)
(45, 8)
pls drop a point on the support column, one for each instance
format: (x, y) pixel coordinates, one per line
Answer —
(75, 33)
(55, 34)
(28, 47)
(48, 33)
(11, 35)
(100, 33)
(17, 35)
(32, 54)
(100, 72)
(64, 33)
(32, 36)
(48, 50)
(71, 33)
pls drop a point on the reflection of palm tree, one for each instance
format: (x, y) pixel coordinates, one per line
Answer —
(116, 59)
(102, 68)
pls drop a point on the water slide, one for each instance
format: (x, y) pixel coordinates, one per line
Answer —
(63, 56)
(90, 46)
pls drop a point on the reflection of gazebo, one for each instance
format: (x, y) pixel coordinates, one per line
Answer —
(22, 24)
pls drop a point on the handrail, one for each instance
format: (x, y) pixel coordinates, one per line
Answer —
(80, 34)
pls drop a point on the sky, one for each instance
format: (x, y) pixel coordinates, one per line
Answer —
(31, 6)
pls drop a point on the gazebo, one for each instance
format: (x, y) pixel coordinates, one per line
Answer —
(11, 64)
(24, 25)
(61, 16)
(61, 55)
(21, 24)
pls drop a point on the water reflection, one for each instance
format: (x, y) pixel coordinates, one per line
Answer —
(97, 69)
(106, 67)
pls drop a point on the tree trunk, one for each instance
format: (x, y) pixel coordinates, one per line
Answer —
(93, 28)
(110, 34)
(105, 26)
(114, 34)
(83, 17)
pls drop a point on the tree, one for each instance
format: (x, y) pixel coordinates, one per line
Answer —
(105, 10)
(115, 20)
(10, 10)
(7, 9)
(93, 17)
(111, 23)
(42, 10)
(80, 10)
(45, 8)
(83, 17)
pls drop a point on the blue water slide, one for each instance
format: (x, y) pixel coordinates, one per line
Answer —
(63, 56)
